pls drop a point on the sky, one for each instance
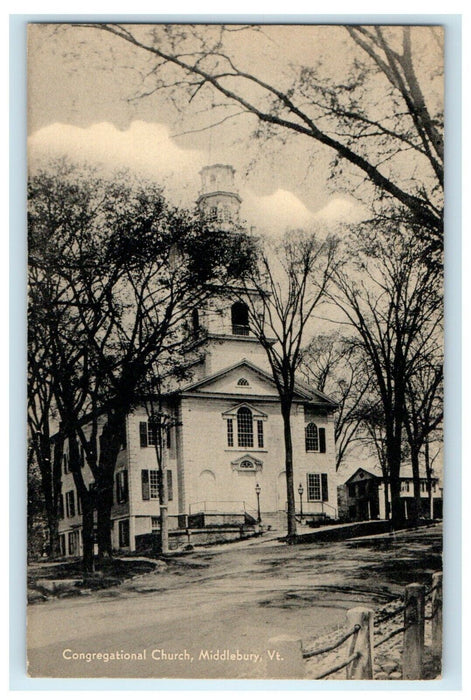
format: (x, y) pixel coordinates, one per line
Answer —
(85, 101)
(81, 85)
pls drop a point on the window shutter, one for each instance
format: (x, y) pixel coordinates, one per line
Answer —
(230, 433)
(169, 485)
(325, 488)
(125, 486)
(260, 433)
(145, 485)
(118, 489)
(321, 439)
(143, 433)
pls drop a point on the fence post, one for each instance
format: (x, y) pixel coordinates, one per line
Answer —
(362, 642)
(413, 649)
(437, 614)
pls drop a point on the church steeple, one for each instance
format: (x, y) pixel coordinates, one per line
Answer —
(219, 202)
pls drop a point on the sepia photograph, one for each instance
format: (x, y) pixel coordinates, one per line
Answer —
(235, 351)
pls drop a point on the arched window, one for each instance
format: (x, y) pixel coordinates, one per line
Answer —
(240, 318)
(243, 382)
(246, 464)
(312, 438)
(244, 427)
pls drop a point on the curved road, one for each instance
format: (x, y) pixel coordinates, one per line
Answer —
(214, 613)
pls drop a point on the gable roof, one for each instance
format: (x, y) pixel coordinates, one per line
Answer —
(365, 472)
(302, 391)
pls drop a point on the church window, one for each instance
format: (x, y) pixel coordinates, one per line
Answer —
(150, 484)
(70, 504)
(312, 438)
(74, 542)
(315, 438)
(240, 318)
(123, 531)
(230, 433)
(243, 382)
(122, 489)
(317, 487)
(154, 483)
(147, 434)
(246, 464)
(244, 427)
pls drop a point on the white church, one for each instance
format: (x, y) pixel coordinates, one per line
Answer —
(225, 455)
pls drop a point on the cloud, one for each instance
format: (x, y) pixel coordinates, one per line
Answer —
(146, 148)
(283, 210)
(340, 209)
(277, 211)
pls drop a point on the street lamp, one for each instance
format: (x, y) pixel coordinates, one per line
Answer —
(257, 491)
(301, 491)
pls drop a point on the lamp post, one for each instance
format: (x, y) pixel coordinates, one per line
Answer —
(301, 491)
(257, 491)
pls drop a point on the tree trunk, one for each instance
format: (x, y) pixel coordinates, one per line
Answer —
(397, 513)
(54, 540)
(387, 509)
(110, 445)
(393, 451)
(104, 506)
(87, 533)
(87, 503)
(286, 413)
(416, 483)
(50, 467)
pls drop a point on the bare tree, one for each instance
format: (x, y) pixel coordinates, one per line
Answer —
(394, 303)
(387, 104)
(45, 453)
(281, 297)
(336, 367)
(129, 269)
(424, 414)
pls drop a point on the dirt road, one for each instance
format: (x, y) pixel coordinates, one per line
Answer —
(215, 614)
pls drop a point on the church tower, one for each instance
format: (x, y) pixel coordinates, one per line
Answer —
(219, 202)
(226, 321)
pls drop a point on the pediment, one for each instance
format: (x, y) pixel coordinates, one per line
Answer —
(247, 463)
(256, 413)
(240, 380)
(246, 379)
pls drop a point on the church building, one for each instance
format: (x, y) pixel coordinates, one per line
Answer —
(225, 453)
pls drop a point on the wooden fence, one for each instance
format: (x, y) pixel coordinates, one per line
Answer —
(365, 634)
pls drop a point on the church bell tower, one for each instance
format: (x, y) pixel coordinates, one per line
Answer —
(219, 202)
(225, 319)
